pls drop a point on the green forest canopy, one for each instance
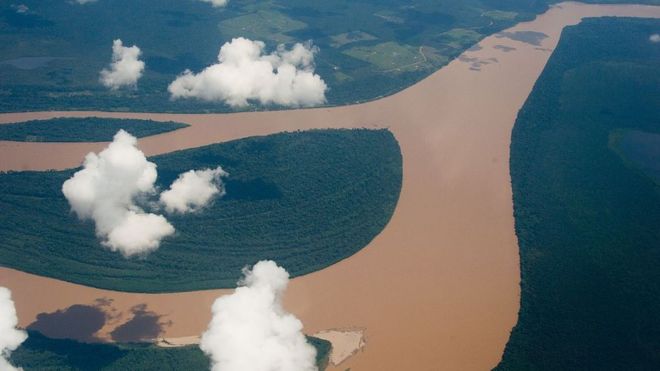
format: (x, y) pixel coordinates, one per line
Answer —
(88, 129)
(53, 52)
(42, 353)
(305, 199)
(586, 219)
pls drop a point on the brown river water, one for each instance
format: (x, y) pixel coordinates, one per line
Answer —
(438, 289)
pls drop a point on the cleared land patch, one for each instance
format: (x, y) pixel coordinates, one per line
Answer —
(460, 38)
(388, 56)
(271, 25)
(89, 129)
(350, 37)
(304, 199)
(500, 15)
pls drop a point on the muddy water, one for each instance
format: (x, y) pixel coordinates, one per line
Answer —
(439, 287)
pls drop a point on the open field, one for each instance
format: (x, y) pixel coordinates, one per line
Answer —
(586, 221)
(265, 24)
(460, 38)
(91, 129)
(306, 200)
(499, 15)
(449, 251)
(387, 56)
(350, 37)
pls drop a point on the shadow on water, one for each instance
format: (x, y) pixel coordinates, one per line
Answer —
(82, 323)
(77, 322)
(145, 325)
(504, 48)
(476, 63)
(527, 37)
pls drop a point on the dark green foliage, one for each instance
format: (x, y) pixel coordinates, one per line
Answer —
(305, 199)
(176, 35)
(323, 348)
(639, 149)
(41, 353)
(587, 223)
(91, 129)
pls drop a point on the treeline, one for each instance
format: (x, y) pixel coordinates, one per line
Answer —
(42, 353)
(88, 129)
(587, 223)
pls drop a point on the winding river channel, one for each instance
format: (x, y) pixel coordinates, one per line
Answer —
(439, 287)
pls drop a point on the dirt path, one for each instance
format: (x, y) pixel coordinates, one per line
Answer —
(439, 287)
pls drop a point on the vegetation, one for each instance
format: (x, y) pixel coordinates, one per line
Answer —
(41, 353)
(587, 221)
(48, 63)
(639, 149)
(89, 129)
(304, 199)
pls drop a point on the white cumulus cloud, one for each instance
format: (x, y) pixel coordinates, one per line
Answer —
(193, 190)
(85, 1)
(244, 73)
(126, 67)
(105, 190)
(217, 3)
(10, 336)
(251, 331)
(138, 233)
(655, 38)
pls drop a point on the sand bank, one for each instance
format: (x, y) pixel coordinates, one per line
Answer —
(345, 343)
(177, 342)
(439, 287)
